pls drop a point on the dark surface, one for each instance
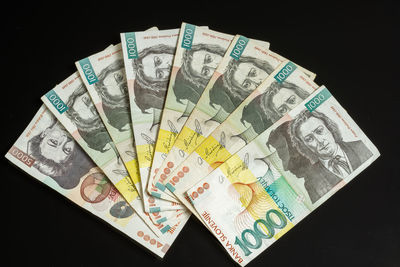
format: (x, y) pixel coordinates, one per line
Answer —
(352, 47)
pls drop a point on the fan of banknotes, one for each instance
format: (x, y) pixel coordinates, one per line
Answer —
(171, 123)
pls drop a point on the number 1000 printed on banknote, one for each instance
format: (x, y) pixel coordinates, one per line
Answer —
(280, 177)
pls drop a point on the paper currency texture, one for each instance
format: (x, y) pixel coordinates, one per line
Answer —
(264, 106)
(282, 175)
(148, 59)
(48, 153)
(176, 112)
(70, 102)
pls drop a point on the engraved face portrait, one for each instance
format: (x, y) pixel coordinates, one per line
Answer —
(152, 67)
(267, 108)
(84, 116)
(113, 90)
(316, 151)
(204, 62)
(83, 107)
(57, 155)
(157, 66)
(56, 144)
(241, 78)
(198, 65)
(317, 138)
(315, 135)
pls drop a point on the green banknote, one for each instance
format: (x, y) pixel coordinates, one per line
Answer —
(198, 53)
(264, 106)
(281, 176)
(104, 77)
(245, 65)
(148, 59)
(71, 104)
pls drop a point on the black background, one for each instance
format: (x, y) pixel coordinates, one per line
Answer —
(353, 48)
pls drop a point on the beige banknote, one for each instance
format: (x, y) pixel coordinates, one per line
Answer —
(237, 76)
(236, 131)
(282, 175)
(48, 153)
(107, 87)
(108, 92)
(70, 102)
(148, 59)
(199, 52)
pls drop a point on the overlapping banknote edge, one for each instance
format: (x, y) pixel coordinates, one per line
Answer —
(191, 170)
(120, 181)
(36, 168)
(173, 174)
(132, 51)
(111, 112)
(199, 185)
(167, 135)
(174, 167)
(368, 153)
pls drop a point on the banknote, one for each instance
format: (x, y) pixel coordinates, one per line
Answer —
(107, 88)
(48, 153)
(148, 59)
(168, 215)
(236, 77)
(235, 132)
(70, 102)
(281, 176)
(198, 55)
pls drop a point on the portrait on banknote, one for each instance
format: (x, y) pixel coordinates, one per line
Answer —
(113, 90)
(269, 107)
(153, 67)
(83, 114)
(311, 146)
(58, 156)
(198, 65)
(240, 78)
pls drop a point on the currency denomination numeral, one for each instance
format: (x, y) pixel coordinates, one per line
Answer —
(21, 156)
(188, 35)
(131, 46)
(89, 73)
(239, 47)
(285, 72)
(258, 233)
(56, 101)
(200, 190)
(316, 101)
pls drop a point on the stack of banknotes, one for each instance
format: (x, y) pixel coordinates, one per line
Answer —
(170, 123)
